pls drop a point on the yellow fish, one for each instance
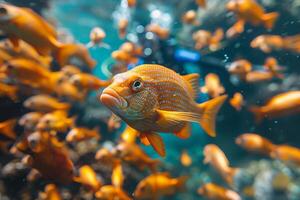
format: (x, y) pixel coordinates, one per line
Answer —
(51, 193)
(45, 103)
(153, 98)
(88, 178)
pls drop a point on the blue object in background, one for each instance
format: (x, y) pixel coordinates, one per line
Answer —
(184, 55)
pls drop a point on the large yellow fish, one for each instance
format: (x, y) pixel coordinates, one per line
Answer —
(153, 98)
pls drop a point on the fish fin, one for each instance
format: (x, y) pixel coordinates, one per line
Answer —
(193, 80)
(15, 42)
(258, 114)
(144, 139)
(117, 177)
(157, 143)
(167, 117)
(185, 132)
(209, 110)
(104, 45)
(269, 19)
(180, 182)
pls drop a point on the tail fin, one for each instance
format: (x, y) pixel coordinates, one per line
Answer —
(180, 184)
(269, 19)
(293, 43)
(258, 114)
(229, 175)
(209, 112)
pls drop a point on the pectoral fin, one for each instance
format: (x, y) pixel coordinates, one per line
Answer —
(157, 143)
(144, 139)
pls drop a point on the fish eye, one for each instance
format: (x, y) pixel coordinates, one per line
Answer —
(137, 85)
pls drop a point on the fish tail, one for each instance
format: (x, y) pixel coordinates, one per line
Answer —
(269, 19)
(229, 175)
(208, 111)
(258, 114)
(293, 43)
(180, 183)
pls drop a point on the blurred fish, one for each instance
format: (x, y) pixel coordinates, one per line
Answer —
(131, 3)
(105, 156)
(255, 143)
(69, 91)
(51, 193)
(88, 81)
(30, 120)
(123, 56)
(237, 101)
(240, 67)
(161, 32)
(212, 86)
(284, 104)
(214, 156)
(10, 91)
(7, 129)
(201, 3)
(129, 135)
(269, 43)
(158, 185)
(55, 121)
(271, 64)
(287, 154)
(139, 97)
(205, 38)
(45, 103)
(81, 133)
(97, 35)
(249, 11)
(88, 178)
(49, 157)
(70, 70)
(190, 17)
(131, 48)
(185, 159)
(113, 123)
(122, 27)
(215, 192)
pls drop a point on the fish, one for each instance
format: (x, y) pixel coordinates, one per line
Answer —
(249, 11)
(81, 133)
(255, 143)
(30, 120)
(205, 38)
(10, 91)
(158, 185)
(214, 156)
(280, 105)
(213, 85)
(161, 32)
(271, 65)
(69, 91)
(269, 43)
(240, 67)
(122, 27)
(131, 48)
(51, 193)
(97, 35)
(7, 129)
(88, 178)
(215, 192)
(190, 17)
(131, 3)
(45, 104)
(185, 159)
(113, 123)
(139, 97)
(129, 135)
(201, 3)
(49, 156)
(124, 57)
(237, 101)
(88, 81)
(106, 157)
(287, 154)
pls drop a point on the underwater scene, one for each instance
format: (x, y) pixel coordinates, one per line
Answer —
(149, 99)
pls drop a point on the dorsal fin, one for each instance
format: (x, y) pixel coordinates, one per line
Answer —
(193, 80)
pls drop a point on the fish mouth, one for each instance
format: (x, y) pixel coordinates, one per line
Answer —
(111, 99)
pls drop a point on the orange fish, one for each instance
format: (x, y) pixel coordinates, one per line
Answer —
(7, 129)
(205, 38)
(185, 159)
(271, 64)
(201, 3)
(129, 135)
(122, 27)
(287, 154)
(139, 97)
(88, 81)
(81, 133)
(97, 35)
(10, 91)
(255, 143)
(30, 120)
(105, 156)
(69, 91)
(131, 48)
(45, 103)
(113, 123)
(237, 101)
(158, 185)
(190, 17)
(240, 67)
(88, 178)
(161, 32)
(280, 105)
(218, 160)
(55, 121)
(268, 43)
(51, 193)
(249, 11)
(123, 56)
(215, 192)
(213, 85)
(49, 157)
(131, 3)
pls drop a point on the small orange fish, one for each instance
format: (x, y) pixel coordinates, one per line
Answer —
(268, 43)
(287, 154)
(105, 156)
(55, 121)
(161, 32)
(81, 133)
(97, 35)
(51, 193)
(88, 81)
(45, 103)
(213, 86)
(284, 104)
(129, 135)
(131, 48)
(240, 67)
(158, 185)
(131, 3)
(249, 11)
(237, 101)
(190, 17)
(88, 178)
(10, 91)
(201, 3)
(123, 56)
(185, 159)
(49, 157)
(7, 129)
(122, 27)
(255, 143)
(69, 91)
(215, 192)
(271, 65)
(139, 97)
(205, 38)
(218, 160)
(30, 120)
